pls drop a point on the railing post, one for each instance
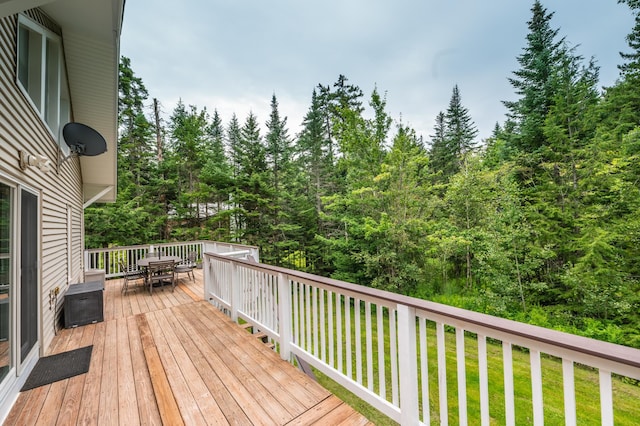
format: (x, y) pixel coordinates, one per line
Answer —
(407, 359)
(284, 316)
(206, 275)
(235, 291)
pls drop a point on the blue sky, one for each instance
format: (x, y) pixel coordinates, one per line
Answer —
(233, 55)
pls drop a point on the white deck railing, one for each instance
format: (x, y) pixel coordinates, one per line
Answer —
(107, 259)
(392, 351)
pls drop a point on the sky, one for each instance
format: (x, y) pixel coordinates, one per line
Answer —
(232, 56)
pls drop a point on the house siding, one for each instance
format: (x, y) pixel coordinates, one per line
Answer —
(60, 189)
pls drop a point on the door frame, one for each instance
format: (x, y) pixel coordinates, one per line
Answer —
(35, 349)
(20, 368)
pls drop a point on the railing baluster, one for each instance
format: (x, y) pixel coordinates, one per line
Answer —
(393, 342)
(296, 312)
(424, 371)
(509, 403)
(315, 322)
(369, 343)
(462, 377)
(382, 376)
(303, 330)
(606, 398)
(536, 387)
(339, 329)
(569, 393)
(356, 312)
(484, 380)
(309, 346)
(284, 314)
(332, 360)
(442, 375)
(323, 327)
(347, 333)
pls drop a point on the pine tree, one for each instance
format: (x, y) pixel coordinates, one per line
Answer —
(280, 222)
(633, 39)
(251, 193)
(533, 82)
(217, 176)
(454, 137)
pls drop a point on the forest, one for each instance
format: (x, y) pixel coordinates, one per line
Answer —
(539, 223)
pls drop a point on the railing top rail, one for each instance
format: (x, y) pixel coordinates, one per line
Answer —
(144, 246)
(617, 353)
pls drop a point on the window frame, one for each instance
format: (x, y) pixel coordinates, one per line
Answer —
(49, 96)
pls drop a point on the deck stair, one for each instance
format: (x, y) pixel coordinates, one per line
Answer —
(263, 337)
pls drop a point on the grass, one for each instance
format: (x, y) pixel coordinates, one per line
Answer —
(625, 395)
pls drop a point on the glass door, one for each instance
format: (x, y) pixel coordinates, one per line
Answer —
(6, 201)
(28, 273)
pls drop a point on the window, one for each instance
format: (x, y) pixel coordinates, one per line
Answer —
(42, 76)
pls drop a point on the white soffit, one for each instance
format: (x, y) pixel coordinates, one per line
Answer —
(91, 37)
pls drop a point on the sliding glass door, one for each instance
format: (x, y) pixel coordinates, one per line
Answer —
(28, 273)
(6, 274)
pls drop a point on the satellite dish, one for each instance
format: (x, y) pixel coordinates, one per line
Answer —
(83, 140)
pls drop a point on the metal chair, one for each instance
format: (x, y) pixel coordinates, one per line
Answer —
(161, 273)
(129, 274)
(186, 267)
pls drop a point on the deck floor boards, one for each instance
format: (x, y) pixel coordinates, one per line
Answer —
(172, 358)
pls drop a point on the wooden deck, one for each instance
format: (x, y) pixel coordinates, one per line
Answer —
(172, 358)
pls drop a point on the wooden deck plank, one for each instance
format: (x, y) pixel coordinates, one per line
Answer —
(293, 398)
(31, 409)
(147, 406)
(52, 403)
(90, 402)
(203, 398)
(127, 401)
(167, 405)
(317, 412)
(226, 374)
(250, 379)
(108, 410)
(270, 362)
(186, 401)
(73, 395)
(197, 350)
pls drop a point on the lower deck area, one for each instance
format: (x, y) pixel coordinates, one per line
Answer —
(171, 358)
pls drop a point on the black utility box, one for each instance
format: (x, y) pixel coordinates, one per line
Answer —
(83, 304)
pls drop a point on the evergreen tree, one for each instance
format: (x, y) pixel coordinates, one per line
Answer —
(439, 154)
(313, 151)
(454, 137)
(216, 175)
(281, 227)
(251, 193)
(533, 82)
(632, 64)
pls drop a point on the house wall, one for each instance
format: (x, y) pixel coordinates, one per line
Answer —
(60, 189)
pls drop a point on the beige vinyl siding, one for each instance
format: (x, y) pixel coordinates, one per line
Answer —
(22, 129)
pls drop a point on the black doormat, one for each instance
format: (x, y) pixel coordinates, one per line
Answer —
(58, 367)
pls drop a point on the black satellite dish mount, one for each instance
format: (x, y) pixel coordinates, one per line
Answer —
(83, 140)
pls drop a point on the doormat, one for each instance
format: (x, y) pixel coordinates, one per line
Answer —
(58, 367)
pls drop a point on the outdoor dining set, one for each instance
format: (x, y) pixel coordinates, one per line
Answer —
(156, 270)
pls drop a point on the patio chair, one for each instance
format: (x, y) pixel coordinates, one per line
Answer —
(186, 267)
(129, 274)
(161, 273)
